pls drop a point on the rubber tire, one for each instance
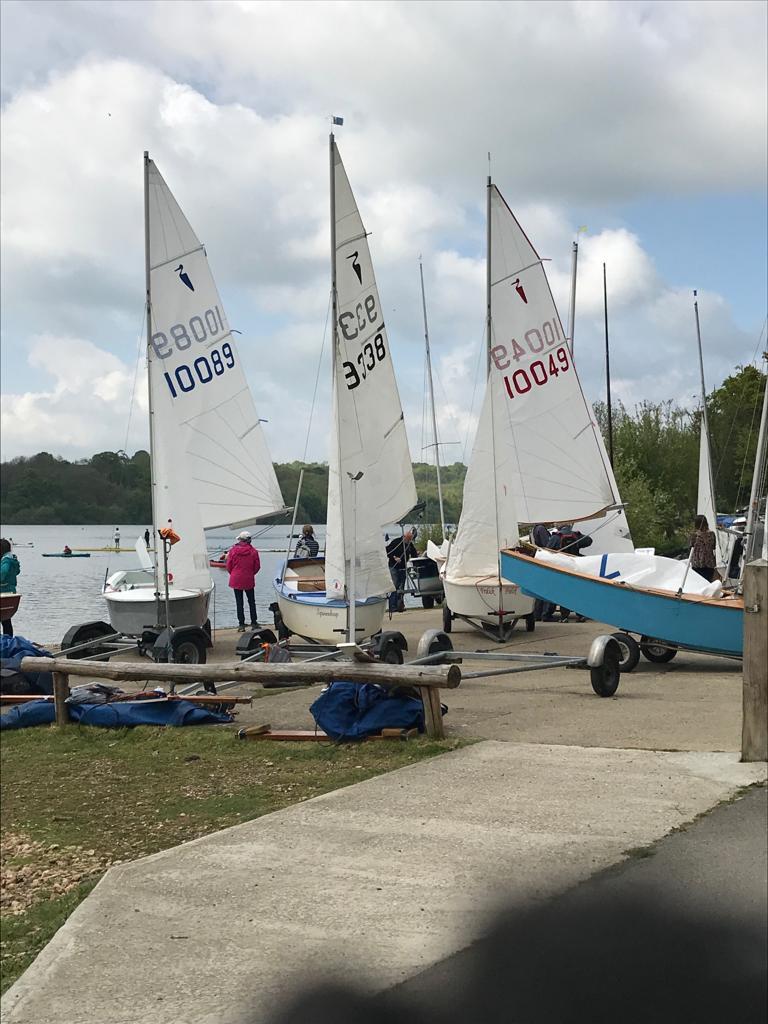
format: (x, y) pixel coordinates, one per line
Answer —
(605, 678)
(630, 651)
(82, 637)
(530, 623)
(189, 650)
(654, 652)
(428, 601)
(447, 619)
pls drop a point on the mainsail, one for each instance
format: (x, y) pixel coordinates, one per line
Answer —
(562, 472)
(705, 500)
(200, 386)
(368, 431)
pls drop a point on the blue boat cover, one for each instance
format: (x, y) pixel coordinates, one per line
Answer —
(117, 715)
(12, 650)
(348, 711)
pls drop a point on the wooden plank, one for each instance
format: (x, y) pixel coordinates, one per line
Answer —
(441, 676)
(754, 727)
(60, 694)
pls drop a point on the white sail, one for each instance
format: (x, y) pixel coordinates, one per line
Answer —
(562, 474)
(488, 521)
(705, 499)
(368, 433)
(199, 381)
(609, 532)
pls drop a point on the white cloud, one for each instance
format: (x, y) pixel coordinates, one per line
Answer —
(579, 103)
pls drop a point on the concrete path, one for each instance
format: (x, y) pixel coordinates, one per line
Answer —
(383, 879)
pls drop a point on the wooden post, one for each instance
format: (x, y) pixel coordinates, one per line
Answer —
(60, 694)
(754, 727)
(433, 716)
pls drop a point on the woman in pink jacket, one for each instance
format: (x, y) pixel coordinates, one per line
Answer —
(242, 565)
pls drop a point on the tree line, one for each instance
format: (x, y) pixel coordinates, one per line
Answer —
(656, 460)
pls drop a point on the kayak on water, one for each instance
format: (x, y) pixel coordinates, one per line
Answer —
(61, 554)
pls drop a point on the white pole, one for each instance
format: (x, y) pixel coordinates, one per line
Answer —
(351, 632)
(432, 400)
(148, 301)
(757, 478)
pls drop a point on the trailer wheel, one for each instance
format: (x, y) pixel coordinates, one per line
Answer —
(428, 601)
(391, 654)
(447, 619)
(630, 651)
(252, 641)
(656, 651)
(605, 678)
(189, 650)
(530, 623)
(83, 634)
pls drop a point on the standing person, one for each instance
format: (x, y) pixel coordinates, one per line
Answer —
(399, 551)
(243, 563)
(307, 546)
(117, 538)
(702, 544)
(9, 570)
(146, 536)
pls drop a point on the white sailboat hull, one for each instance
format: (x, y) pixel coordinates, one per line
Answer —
(132, 611)
(309, 612)
(489, 600)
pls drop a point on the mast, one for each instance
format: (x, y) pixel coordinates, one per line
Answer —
(608, 371)
(758, 478)
(334, 360)
(148, 302)
(432, 400)
(488, 279)
(572, 308)
(704, 418)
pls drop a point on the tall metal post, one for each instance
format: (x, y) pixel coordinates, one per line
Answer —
(758, 478)
(148, 302)
(432, 400)
(608, 371)
(572, 307)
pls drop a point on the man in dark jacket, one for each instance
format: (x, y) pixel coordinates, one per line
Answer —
(399, 551)
(571, 541)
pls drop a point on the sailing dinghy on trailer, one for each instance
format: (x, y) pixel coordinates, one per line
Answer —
(370, 475)
(538, 456)
(209, 459)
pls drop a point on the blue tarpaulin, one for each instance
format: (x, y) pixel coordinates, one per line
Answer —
(352, 712)
(12, 650)
(117, 715)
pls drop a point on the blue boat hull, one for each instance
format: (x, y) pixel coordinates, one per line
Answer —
(701, 624)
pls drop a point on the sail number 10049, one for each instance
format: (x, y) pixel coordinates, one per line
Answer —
(538, 372)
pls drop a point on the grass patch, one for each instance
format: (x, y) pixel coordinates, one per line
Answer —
(116, 795)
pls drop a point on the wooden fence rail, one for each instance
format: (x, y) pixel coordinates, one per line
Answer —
(428, 679)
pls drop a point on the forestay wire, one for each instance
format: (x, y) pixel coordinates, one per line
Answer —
(317, 379)
(139, 350)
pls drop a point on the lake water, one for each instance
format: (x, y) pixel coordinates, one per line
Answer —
(59, 592)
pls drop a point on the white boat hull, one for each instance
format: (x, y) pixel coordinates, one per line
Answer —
(484, 599)
(132, 611)
(307, 611)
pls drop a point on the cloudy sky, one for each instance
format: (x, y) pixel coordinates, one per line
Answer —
(643, 121)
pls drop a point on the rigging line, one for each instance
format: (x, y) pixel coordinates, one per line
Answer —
(732, 427)
(139, 348)
(317, 379)
(746, 452)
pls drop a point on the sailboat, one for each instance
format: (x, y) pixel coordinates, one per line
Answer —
(370, 475)
(209, 460)
(537, 456)
(705, 498)
(664, 602)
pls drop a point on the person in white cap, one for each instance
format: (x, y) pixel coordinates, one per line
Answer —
(243, 563)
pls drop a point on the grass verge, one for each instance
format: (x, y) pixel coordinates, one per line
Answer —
(78, 799)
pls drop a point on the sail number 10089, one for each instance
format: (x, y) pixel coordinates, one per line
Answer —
(202, 371)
